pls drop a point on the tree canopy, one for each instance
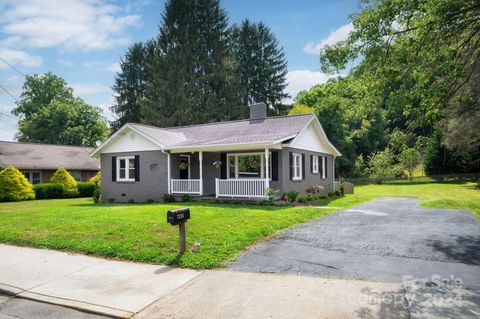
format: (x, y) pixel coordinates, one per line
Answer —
(49, 113)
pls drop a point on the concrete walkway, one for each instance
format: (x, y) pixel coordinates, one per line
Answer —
(108, 287)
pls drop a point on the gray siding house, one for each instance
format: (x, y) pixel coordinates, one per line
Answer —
(235, 159)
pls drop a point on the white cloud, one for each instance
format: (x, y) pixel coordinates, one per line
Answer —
(76, 25)
(299, 80)
(65, 62)
(102, 65)
(86, 89)
(19, 58)
(335, 36)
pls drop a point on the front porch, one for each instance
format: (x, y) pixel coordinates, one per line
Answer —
(220, 174)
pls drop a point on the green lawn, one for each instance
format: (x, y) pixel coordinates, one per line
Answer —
(140, 232)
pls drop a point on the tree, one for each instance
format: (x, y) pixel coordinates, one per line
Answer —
(14, 186)
(39, 91)
(301, 109)
(192, 70)
(49, 113)
(67, 123)
(381, 165)
(130, 84)
(409, 158)
(69, 185)
(424, 53)
(261, 64)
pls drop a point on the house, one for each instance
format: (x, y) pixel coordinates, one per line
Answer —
(39, 161)
(235, 159)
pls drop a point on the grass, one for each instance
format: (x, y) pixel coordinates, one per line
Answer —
(140, 232)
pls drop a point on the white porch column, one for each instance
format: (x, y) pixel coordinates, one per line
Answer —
(200, 160)
(168, 174)
(267, 163)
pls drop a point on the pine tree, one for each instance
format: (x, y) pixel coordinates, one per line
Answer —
(193, 73)
(262, 67)
(130, 84)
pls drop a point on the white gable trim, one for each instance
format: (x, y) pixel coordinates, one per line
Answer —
(313, 138)
(109, 145)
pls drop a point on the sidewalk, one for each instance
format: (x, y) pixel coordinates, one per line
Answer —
(102, 286)
(123, 289)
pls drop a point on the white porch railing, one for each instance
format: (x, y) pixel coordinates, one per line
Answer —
(241, 187)
(186, 186)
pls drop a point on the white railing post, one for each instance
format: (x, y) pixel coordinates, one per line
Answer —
(200, 159)
(267, 177)
(216, 187)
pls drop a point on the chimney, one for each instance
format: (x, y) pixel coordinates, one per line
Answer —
(258, 111)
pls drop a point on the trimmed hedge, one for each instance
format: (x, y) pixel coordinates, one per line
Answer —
(48, 190)
(62, 176)
(86, 189)
(56, 190)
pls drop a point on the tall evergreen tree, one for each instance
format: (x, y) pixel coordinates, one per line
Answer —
(130, 84)
(192, 70)
(262, 67)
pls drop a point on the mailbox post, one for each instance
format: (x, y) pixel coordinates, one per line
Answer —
(179, 217)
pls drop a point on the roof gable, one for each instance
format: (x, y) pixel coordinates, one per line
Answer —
(130, 141)
(313, 138)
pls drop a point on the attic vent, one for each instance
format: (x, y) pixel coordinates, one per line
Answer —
(258, 111)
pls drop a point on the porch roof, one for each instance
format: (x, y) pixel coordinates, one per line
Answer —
(263, 131)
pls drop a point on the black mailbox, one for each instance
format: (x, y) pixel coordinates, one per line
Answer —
(177, 216)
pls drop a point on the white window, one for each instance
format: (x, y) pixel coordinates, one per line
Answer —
(248, 165)
(34, 177)
(297, 167)
(323, 166)
(315, 164)
(126, 169)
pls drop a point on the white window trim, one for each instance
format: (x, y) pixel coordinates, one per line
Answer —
(127, 170)
(323, 167)
(30, 177)
(315, 164)
(262, 164)
(296, 177)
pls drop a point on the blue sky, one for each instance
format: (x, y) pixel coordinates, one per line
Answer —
(83, 40)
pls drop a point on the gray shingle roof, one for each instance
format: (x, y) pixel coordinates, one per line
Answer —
(46, 156)
(233, 132)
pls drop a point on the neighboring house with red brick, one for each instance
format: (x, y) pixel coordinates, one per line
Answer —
(39, 161)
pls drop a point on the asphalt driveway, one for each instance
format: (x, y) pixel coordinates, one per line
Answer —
(389, 239)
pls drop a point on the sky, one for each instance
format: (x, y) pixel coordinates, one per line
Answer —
(82, 41)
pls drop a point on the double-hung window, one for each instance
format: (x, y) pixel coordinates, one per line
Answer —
(126, 169)
(315, 164)
(297, 167)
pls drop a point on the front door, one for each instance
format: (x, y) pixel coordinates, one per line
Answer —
(184, 167)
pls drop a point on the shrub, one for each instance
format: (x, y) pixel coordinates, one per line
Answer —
(331, 194)
(272, 194)
(111, 200)
(86, 189)
(292, 196)
(186, 198)
(97, 181)
(302, 199)
(48, 191)
(131, 201)
(314, 189)
(62, 176)
(14, 186)
(322, 197)
(338, 193)
(168, 198)
(150, 201)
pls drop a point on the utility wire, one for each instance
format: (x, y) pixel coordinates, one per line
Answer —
(11, 95)
(8, 115)
(14, 68)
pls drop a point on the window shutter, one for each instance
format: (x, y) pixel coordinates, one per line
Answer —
(311, 164)
(137, 168)
(223, 167)
(290, 160)
(326, 167)
(275, 166)
(114, 168)
(303, 166)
